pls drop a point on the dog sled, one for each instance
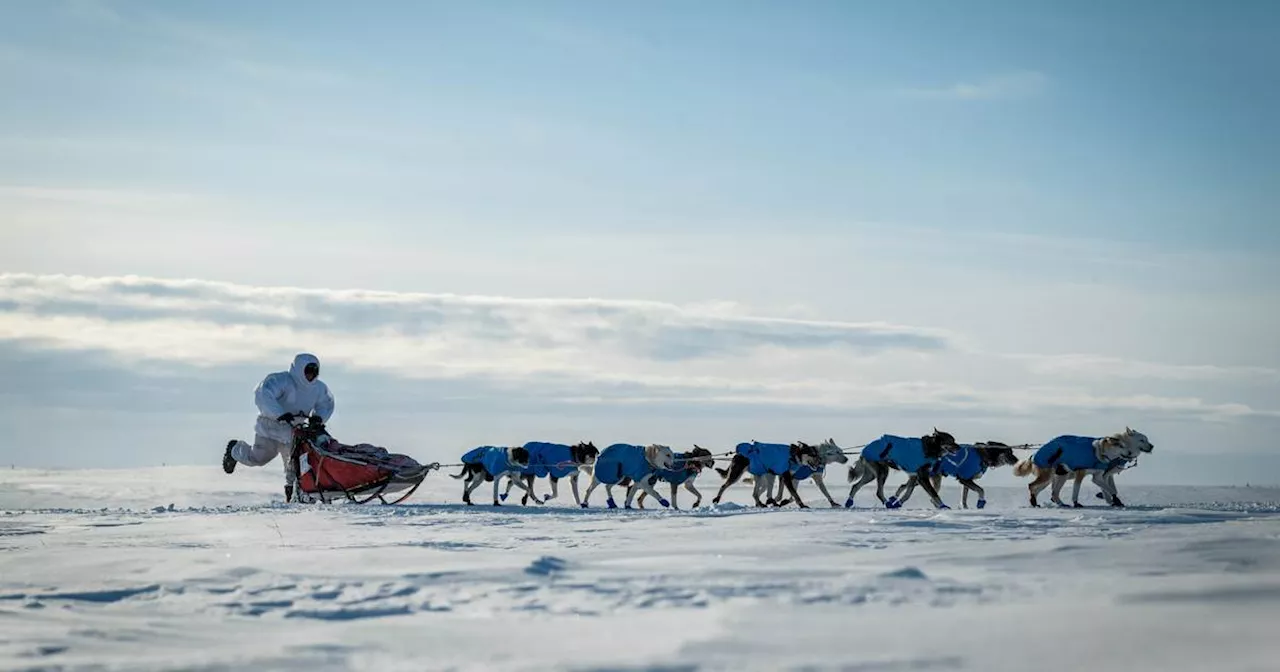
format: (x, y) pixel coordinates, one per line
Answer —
(326, 470)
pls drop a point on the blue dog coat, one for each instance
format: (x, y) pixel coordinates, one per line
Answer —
(622, 460)
(964, 463)
(771, 458)
(549, 459)
(1072, 452)
(906, 453)
(492, 458)
(803, 471)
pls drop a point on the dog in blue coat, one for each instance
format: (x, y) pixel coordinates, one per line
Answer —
(554, 461)
(828, 453)
(766, 462)
(966, 465)
(914, 456)
(1079, 456)
(688, 466)
(637, 464)
(491, 463)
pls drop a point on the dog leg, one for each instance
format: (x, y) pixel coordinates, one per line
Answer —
(472, 483)
(586, 497)
(688, 485)
(736, 467)
(1059, 480)
(573, 483)
(882, 473)
(822, 487)
(507, 492)
(970, 484)
(864, 475)
(781, 479)
(555, 489)
(904, 492)
(528, 491)
(791, 485)
(1075, 489)
(608, 495)
(675, 490)
(1043, 476)
(1100, 479)
(756, 489)
(927, 484)
(646, 484)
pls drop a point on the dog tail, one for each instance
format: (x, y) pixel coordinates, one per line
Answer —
(1024, 468)
(855, 471)
(724, 473)
(460, 474)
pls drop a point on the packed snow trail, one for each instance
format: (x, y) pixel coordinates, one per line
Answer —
(172, 568)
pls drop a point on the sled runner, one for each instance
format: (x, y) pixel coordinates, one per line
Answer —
(326, 469)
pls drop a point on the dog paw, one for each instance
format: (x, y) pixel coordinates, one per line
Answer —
(664, 503)
(943, 506)
(1077, 505)
(982, 503)
(848, 503)
(892, 503)
(583, 505)
(504, 496)
(612, 504)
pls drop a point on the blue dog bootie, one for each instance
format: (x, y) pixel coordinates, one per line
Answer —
(612, 504)
(664, 503)
(503, 496)
(848, 503)
(982, 503)
(892, 503)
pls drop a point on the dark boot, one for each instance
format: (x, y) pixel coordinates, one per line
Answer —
(228, 462)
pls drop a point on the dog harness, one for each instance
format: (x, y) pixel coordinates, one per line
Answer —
(549, 459)
(766, 458)
(1072, 452)
(492, 458)
(905, 453)
(622, 460)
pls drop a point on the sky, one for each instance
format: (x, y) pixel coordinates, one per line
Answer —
(642, 222)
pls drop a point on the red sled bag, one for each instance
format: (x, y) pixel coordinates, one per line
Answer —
(326, 469)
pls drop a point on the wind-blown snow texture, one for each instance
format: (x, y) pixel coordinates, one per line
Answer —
(188, 568)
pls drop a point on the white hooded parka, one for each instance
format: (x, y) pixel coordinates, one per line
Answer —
(290, 392)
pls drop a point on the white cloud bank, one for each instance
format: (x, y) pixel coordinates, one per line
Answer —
(575, 350)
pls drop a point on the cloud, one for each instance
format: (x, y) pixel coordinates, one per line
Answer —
(198, 321)
(535, 353)
(1008, 85)
(1096, 366)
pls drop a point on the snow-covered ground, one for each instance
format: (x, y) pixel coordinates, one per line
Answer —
(188, 568)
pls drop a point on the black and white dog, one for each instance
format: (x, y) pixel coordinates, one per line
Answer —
(909, 454)
(687, 467)
(491, 463)
(966, 465)
(830, 453)
(554, 461)
(799, 453)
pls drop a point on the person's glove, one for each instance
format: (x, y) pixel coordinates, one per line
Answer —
(286, 418)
